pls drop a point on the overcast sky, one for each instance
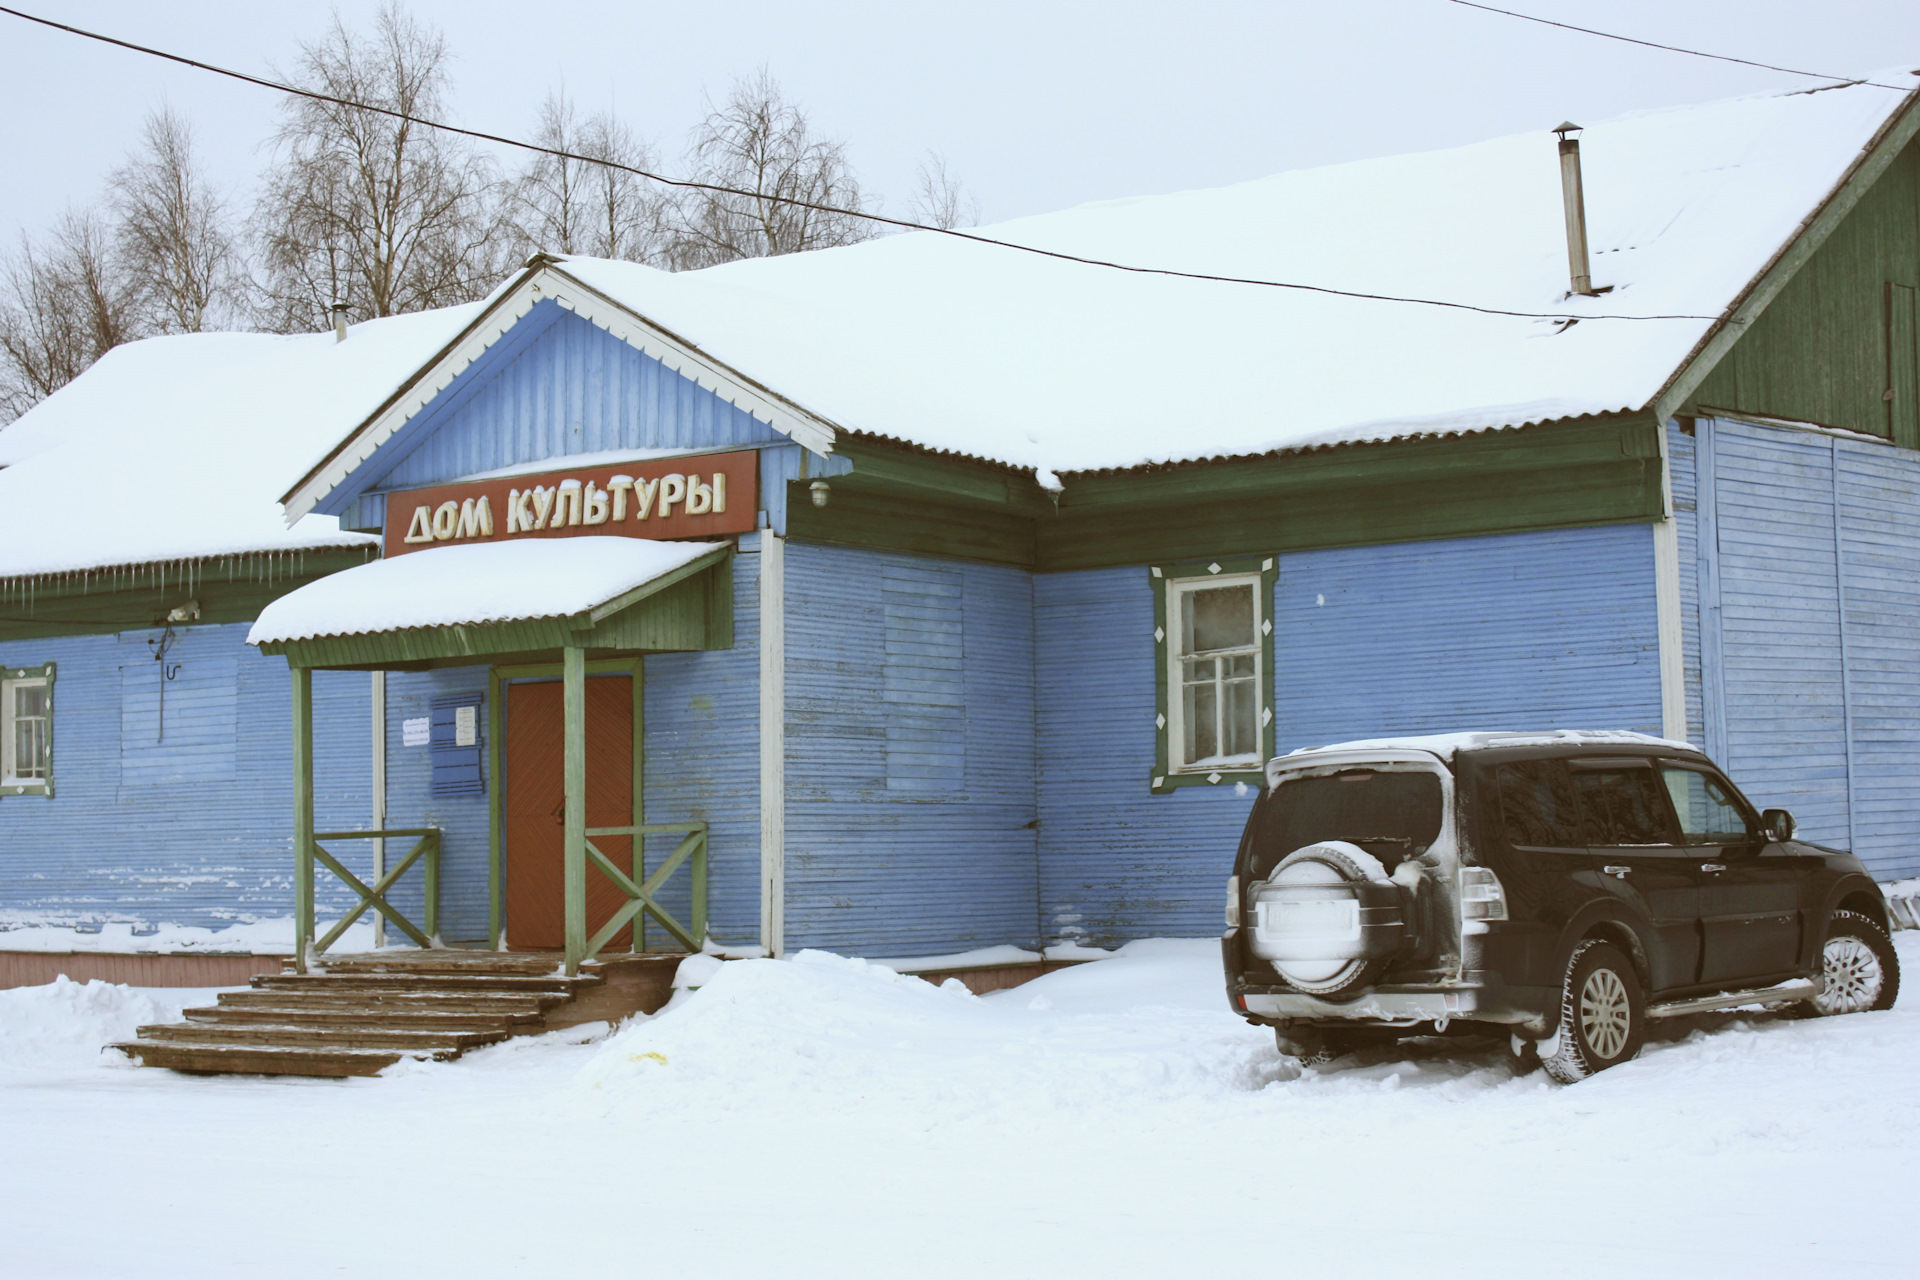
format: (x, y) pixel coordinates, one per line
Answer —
(1036, 105)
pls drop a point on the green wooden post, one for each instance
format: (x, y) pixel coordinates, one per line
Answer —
(697, 872)
(573, 678)
(302, 816)
(431, 874)
(639, 842)
(496, 750)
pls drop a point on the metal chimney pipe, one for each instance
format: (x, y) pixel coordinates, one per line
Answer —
(339, 310)
(1574, 198)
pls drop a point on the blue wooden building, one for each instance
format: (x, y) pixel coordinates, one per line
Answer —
(994, 576)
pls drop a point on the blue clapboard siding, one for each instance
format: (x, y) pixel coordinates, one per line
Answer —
(411, 802)
(119, 842)
(703, 762)
(1683, 473)
(1537, 630)
(557, 386)
(200, 705)
(909, 753)
(1810, 557)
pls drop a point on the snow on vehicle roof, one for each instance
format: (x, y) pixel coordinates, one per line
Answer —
(473, 584)
(176, 448)
(1064, 367)
(1446, 745)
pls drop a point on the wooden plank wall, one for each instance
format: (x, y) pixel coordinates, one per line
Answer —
(1809, 555)
(909, 753)
(1551, 629)
(198, 832)
(567, 388)
(703, 762)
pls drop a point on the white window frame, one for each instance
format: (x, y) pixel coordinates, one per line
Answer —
(12, 678)
(1172, 583)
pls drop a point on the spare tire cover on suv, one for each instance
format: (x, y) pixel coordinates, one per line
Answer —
(1328, 918)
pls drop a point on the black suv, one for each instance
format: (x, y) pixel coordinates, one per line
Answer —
(1560, 888)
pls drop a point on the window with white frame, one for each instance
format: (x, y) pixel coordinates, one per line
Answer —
(26, 730)
(1214, 629)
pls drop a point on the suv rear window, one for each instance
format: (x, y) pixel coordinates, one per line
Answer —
(1392, 814)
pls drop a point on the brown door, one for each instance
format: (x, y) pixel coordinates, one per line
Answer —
(536, 807)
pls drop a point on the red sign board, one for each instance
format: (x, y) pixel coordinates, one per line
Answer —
(693, 497)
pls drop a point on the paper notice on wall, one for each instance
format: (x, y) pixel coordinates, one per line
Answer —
(415, 733)
(465, 727)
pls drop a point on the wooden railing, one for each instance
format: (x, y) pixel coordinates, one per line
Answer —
(643, 895)
(426, 850)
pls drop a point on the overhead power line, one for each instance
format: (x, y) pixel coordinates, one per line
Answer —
(1839, 81)
(901, 223)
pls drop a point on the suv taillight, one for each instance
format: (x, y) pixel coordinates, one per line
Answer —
(1481, 895)
(1233, 902)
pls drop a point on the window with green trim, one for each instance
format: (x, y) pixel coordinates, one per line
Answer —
(26, 730)
(1213, 636)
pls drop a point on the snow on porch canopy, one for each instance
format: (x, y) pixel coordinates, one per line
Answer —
(514, 601)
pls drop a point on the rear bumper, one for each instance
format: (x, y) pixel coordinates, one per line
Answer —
(1481, 995)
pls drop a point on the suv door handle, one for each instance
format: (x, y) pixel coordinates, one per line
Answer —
(1621, 872)
(1713, 866)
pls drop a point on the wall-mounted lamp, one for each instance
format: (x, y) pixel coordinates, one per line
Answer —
(820, 491)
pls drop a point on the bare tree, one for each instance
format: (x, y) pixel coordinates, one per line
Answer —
(939, 199)
(574, 206)
(63, 305)
(761, 144)
(173, 237)
(366, 209)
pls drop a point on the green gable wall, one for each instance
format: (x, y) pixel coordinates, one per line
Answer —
(1842, 332)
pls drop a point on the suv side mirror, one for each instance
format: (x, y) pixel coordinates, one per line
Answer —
(1778, 825)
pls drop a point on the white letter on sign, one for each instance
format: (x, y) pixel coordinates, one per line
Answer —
(476, 519)
(719, 493)
(643, 491)
(699, 497)
(421, 530)
(596, 512)
(542, 503)
(566, 505)
(672, 488)
(619, 487)
(446, 518)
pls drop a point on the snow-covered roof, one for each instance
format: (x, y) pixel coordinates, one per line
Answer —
(176, 448)
(472, 585)
(1039, 363)
(1447, 745)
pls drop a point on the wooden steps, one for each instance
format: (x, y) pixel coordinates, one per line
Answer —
(361, 1014)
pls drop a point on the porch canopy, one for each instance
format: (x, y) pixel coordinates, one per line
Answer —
(537, 602)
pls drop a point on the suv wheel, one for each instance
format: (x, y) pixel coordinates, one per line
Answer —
(1858, 967)
(1602, 1014)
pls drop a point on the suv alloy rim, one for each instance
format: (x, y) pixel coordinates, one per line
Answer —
(1852, 976)
(1604, 1012)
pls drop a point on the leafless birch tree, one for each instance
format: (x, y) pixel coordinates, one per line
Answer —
(573, 206)
(362, 208)
(173, 239)
(939, 199)
(64, 303)
(762, 144)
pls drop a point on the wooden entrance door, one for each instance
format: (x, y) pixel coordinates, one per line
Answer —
(536, 806)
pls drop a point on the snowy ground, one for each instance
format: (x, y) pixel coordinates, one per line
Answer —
(825, 1118)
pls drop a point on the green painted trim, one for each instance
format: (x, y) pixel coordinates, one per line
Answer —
(43, 788)
(574, 849)
(132, 598)
(1159, 577)
(302, 817)
(1786, 263)
(1569, 473)
(553, 670)
(681, 616)
(496, 815)
(903, 468)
